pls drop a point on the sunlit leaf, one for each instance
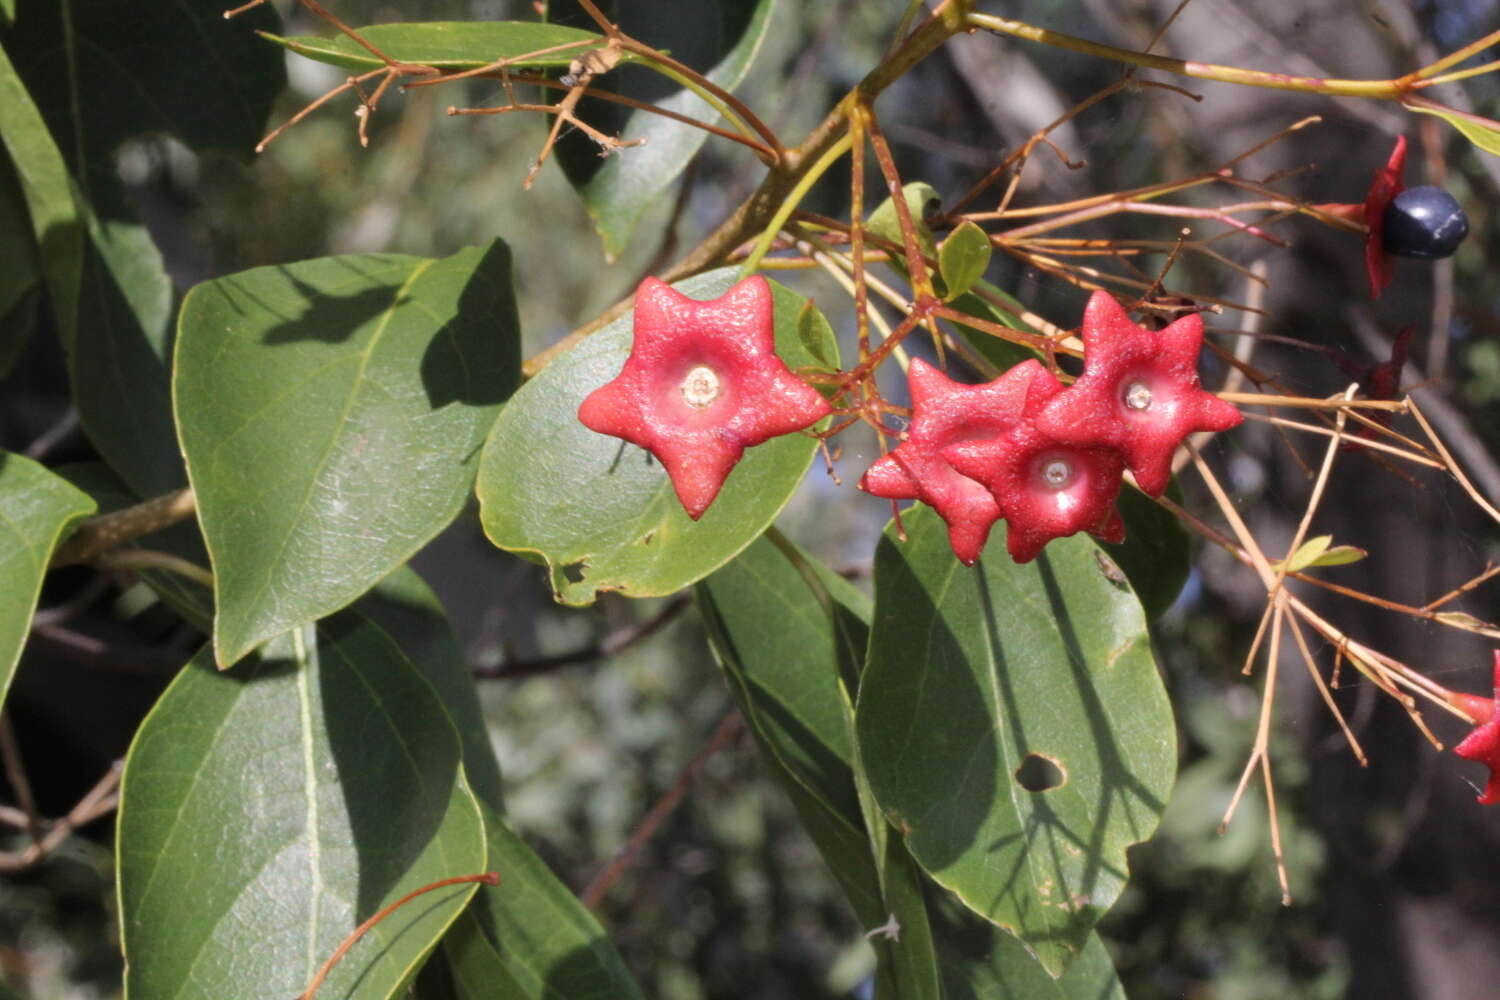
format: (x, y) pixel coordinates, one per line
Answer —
(37, 510)
(602, 512)
(963, 258)
(449, 45)
(1014, 728)
(331, 412)
(267, 811)
(1482, 132)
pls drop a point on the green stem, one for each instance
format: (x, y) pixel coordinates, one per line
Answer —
(1453, 58)
(792, 200)
(1388, 89)
(1462, 74)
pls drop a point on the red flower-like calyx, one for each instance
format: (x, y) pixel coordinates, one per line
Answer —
(1483, 743)
(945, 412)
(1388, 183)
(1045, 488)
(702, 384)
(1139, 392)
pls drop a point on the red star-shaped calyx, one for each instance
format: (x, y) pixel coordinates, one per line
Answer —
(945, 412)
(1387, 184)
(1139, 392)
(1483, 743)
(702, 384)
(1045, 488)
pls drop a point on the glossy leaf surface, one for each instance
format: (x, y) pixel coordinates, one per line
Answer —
(257, 826)
(980, 676)
(331, 412)
(601, 512)
(37, 510)
(449, 45)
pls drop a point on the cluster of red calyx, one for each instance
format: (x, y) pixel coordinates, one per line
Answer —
(702, 384)
(1048, 459)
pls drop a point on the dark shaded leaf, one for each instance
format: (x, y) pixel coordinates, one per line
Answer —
(530, 936)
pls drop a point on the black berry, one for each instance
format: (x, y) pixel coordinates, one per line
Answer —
(1425, 223)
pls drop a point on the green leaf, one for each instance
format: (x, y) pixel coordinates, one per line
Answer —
(620, 191)
(921, 199)
(963, 258)
(781, 655)
(267, 811)
(1003, 354)
(37, 510)
(977, 671)
(530, 936)
(981, 962)
(43, 176)
(1482, 132)
(406, 609)
(331, 412)
(784, 643)
(1308, 554)
(601, 512)
(103, 72)
(1155, 557)
(449, 45)
(19, 268)
(1320, 551)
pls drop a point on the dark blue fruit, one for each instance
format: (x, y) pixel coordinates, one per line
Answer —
(1423, 222)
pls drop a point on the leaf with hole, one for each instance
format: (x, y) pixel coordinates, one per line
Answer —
(37, 511)
(973, 672)
(256, 826)
(449, 45)
(332, 413)
(602, 512)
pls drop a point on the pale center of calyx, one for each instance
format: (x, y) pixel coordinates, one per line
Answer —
(1138, 395)
(700, 387)
(1057, 472)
